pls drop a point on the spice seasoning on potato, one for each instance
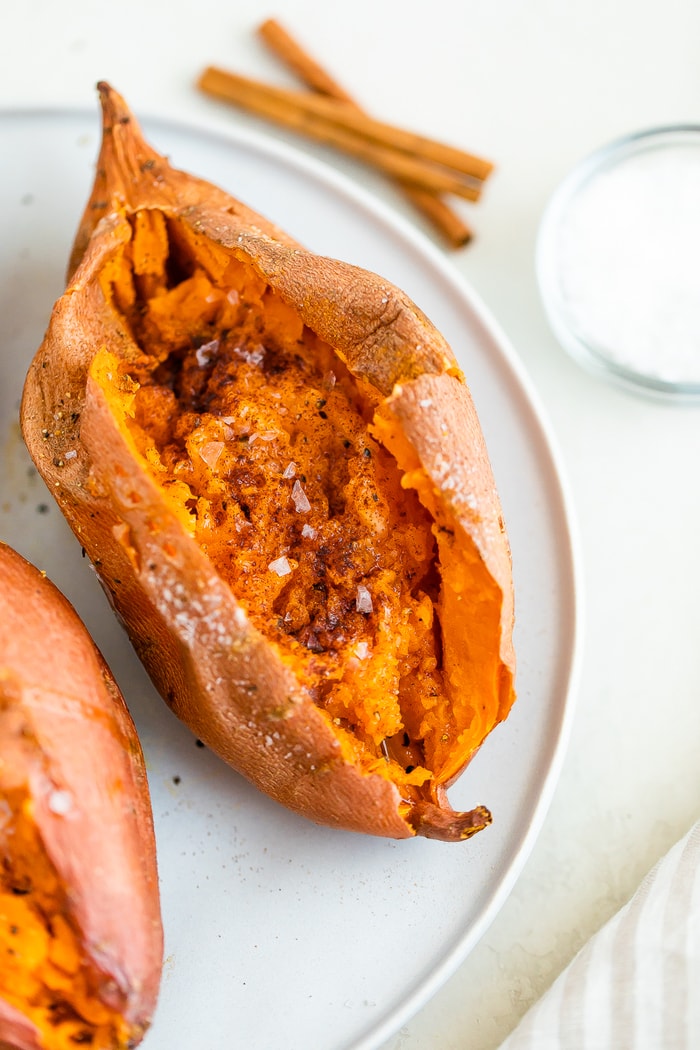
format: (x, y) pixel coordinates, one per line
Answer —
(282, 482)
(80, 930)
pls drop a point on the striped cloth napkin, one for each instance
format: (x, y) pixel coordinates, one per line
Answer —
(636, 984)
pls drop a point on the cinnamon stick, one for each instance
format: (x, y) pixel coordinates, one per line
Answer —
(447, 222)
(348, 117)
(339, 124)
(300, 61)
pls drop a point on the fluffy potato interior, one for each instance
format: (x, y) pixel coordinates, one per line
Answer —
(261, 440)
(43, 970)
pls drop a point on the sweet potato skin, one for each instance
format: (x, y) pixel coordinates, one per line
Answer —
(16, 1032)
(212, 666)
(65, 729)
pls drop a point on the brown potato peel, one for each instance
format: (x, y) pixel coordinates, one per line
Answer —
(275, 465)
(81, 940)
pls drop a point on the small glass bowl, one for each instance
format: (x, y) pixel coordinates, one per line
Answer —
(618, 262)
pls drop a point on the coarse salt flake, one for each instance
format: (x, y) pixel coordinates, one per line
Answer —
(210, 452)
(309, 532)
(206, 351)
(254, 355)
(60, 802)
(289, 471)
(228, 422)
(281, 566)
(363, 600)
(71, 455)
(362, 650)
(301, 501)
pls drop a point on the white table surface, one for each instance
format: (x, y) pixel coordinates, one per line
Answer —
(534, 85)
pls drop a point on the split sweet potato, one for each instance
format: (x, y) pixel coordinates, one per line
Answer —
(80, 929)
(275, 465)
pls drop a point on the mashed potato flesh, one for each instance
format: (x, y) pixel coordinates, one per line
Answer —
(43, 970)
(258, 431)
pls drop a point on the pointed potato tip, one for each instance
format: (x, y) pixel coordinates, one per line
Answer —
(447, 825)
(114, 108)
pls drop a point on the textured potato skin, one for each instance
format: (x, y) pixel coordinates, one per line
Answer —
(239, 697)
(16, 1032)
(64, 727)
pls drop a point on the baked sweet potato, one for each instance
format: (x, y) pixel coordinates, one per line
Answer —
(275, 465)
(80, 929)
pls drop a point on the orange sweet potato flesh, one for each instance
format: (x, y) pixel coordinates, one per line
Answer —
(274, 463)
(80, 929)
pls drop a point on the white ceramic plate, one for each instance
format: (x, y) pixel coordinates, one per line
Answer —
(280, 933)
